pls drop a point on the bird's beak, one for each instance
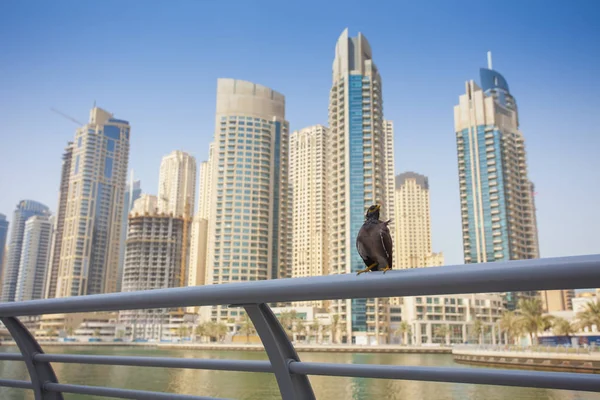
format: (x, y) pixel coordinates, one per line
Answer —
(378, 207)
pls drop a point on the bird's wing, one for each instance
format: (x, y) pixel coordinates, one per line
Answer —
(386, 241)
(360, 246)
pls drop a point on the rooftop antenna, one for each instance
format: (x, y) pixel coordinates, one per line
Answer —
(489, 54)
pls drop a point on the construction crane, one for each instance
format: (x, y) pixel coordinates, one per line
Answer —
(66, 116)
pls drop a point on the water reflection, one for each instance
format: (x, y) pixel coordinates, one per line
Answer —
(255, 386)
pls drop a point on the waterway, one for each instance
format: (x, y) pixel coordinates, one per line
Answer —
(258, 386)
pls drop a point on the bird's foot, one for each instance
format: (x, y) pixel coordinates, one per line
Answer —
(386, 269)
(368, 269)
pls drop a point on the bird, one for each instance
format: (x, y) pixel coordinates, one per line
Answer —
(374, 242)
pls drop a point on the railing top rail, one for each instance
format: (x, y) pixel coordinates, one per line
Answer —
(523, 275)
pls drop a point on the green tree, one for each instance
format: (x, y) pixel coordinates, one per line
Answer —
(300, 328)
(531, 318)
(477, 329)
(403, 330)
(96, 332)
(442, 332)
(562, 327)
(200, 331)
(314, 327)
(221, 331)
(247, 327)
(511, 326)
(182, 331)
(590, 315)
(70, 331)
(51, 333)
(334, 327)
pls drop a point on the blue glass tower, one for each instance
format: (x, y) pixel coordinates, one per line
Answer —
(498, 215)
(356, 178)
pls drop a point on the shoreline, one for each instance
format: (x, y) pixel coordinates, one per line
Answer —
(581, 363)
(301, 348)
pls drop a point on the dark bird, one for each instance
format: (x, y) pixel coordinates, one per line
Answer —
(374, 242)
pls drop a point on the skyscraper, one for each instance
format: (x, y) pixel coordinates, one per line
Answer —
(177, 184)
(57, 236)
(498, 218)
(388, 127)
(153, 260)
(413, 228)
(90, 249)
(132, 193)
(307, 180)
(25, 210)
(3, 234)
(357, 165)
(249, 225)
(35, 254)
(197, 267)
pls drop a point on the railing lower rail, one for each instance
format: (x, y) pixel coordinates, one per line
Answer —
(291, 373)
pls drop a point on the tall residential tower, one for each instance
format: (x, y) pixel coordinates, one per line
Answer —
(249, 226)
(307, 180)
(90, 247)
(177, 184)
(25, 210)
(132, 193)
(498, 220)
(356, 177)
(35, 254)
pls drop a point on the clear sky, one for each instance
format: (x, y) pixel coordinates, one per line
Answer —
(155, 63)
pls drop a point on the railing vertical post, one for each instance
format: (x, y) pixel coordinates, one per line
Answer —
(280, 352)
(40, 372)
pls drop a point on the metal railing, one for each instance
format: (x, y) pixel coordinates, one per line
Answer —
(290, 372)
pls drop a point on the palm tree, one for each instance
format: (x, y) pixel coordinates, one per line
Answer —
(70, 331)
(562, 327)
(182, 331)
(335, 321)
(200, 331)
(221, 331)
(404, 330)
(314, 327)
(442, 332)
(247, 327)
(531, 317)
(478, 329)
(301, 328)
(96, 332)
(590, 315)
(509, 324)
(51, 332)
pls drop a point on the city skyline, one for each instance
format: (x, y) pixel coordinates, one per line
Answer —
(535, 88)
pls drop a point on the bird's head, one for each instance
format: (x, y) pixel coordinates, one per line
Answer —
(373, 212)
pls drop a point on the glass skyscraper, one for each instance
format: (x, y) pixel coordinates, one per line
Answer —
(3, 234)
(498, 217)
(90, 248)
(25, 210)
(356, 178)
(132, 193)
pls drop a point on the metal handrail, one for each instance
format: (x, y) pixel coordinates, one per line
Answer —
(291, 373)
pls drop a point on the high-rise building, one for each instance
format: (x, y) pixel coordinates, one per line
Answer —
(197, 268)
(153, 260)
(132, 193)
(205, 186)
(177, 184)
(35, 254)
(3, 234)
(25, 210)
(356, 178)
(413, 229)
(57, 236)
(498, 221)
(307, 180)
(249, 227)
(89, 258)
(388, 127)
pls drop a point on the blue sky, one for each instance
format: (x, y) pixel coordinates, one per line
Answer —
(156, 65)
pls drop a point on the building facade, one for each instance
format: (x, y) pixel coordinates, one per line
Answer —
(153, 260)
(57, 236)
(25, 210)
(35, 254)
(356, 177)
(390, 160)
(498, 221)
(249, 227)
(177, 184)
(413, 247)
(132, 193)
(90, 247)
(308, 184)
(3, 235)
